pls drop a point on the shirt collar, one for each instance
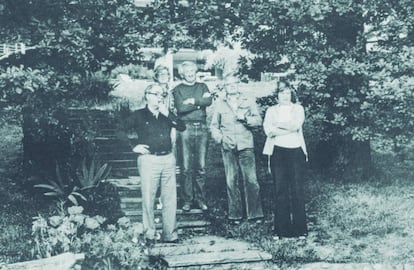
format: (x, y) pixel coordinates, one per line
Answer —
(155, 114)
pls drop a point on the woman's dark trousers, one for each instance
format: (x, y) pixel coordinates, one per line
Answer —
(287, 165)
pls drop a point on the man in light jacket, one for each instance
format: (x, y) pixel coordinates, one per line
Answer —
(232, 119)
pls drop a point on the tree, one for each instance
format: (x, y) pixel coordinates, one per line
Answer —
(76, 44)
(352, 94)
(342, 84)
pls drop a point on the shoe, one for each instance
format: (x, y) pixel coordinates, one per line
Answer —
(234, 222)
(186, 207)
(256, 220)
(175, 241)
(202, 206)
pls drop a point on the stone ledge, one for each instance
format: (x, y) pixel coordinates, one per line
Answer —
(64, 261)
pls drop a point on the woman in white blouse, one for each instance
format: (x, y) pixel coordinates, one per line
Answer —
(286, 149)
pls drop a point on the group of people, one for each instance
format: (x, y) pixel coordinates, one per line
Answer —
(179, 115)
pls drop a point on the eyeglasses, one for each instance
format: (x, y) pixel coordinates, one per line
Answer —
(158, 94)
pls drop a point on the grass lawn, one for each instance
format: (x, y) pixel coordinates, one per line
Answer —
(18, 206)
(348, 222)
(370, 221)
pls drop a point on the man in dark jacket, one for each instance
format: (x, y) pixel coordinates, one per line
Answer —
(155, 126)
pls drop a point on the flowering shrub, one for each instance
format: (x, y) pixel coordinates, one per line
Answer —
(120, 245)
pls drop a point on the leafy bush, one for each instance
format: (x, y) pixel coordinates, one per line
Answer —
(63, 190)
(103, 200)
(40, 97)
(120, 245)
(68, 190)
(91, 176)
(93, 88)
(18, 84)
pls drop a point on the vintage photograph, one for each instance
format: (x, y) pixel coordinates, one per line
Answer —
(206, 134)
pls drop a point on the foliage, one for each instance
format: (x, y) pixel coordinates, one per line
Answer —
(117, 246)
(88, 34)
(352, 93)
(90, 177)
(189, 24)
(18, 83)
(65, 191)
(326, 43)
(68, 190)
(103, 200)
(72, 46)
(390, 102)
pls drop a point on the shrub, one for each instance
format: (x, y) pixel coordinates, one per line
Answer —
(64, 190)
(120, 245)
(103, 200)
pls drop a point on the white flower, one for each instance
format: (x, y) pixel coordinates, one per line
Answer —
(73, 210)
(55, 221)
(91, 223)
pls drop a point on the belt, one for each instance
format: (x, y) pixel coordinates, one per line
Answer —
(194, 123)
(161, 153)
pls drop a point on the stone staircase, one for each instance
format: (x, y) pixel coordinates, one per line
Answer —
(200, 251)
(124, 174)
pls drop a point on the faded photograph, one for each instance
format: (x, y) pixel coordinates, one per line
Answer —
(195, 134)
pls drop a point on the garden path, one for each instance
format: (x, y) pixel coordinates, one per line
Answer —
(212, 252)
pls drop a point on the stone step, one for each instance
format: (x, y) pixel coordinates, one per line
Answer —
(96, 124)
(197, 259)
(64, 261)
(136, 192)
(190, 248)
(211, 252)
(116, 149)
(121, 163)
(83, 111)
(101, 137)
(183, 224)
(124, 172)
(158, 212)
(107, 131)
(131, 200)
(107, 141)
(126, 183)
(129, 155)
